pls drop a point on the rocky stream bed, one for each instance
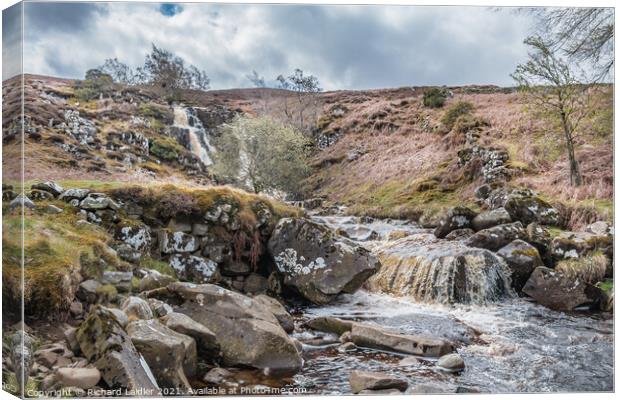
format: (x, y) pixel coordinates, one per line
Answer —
(321, 304)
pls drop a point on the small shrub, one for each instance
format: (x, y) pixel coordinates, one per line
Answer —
(434, 98)
(166, 148)
(455, 111)
(467, 122)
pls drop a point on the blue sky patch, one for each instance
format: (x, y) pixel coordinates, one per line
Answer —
(169, 9)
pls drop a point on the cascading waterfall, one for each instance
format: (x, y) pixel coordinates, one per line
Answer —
(199, 145)
(441, 271)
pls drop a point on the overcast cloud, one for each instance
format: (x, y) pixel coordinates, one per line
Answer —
(346, 47)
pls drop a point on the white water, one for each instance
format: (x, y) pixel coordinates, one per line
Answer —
(198, 138)
(511, 345)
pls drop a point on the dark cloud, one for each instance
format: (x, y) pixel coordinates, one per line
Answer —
(12, 41)
(347, 47)
(65, 17)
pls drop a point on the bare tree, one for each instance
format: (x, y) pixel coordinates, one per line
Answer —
(306, 88)
(120, 72)
(581, 34)
(553, 87)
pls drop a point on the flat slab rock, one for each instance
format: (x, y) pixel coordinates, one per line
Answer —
(376, 337)
(366, 380)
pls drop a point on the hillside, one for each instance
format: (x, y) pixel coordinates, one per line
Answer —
(379, 152)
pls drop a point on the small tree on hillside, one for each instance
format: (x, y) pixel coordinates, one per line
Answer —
(120, 72)
(96, 83)
(552, 86)
(169, 73)
(261, 154)
(306, 88)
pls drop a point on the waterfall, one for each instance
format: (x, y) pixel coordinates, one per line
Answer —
(198, 140)
(449, 272)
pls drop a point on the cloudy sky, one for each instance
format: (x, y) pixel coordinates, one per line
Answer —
(346, 47)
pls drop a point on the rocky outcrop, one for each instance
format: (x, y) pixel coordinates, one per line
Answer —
(433, 270)
(555, 290)
(456, 218)
(247, 332)
(497, 237)
(194, 268)
(574, 244)
(317, 262)
(103, 341)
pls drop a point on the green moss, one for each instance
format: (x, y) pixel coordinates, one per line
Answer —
(157, 265)
(455, 111)
(54, 247)
(606, 286)
(106, 293)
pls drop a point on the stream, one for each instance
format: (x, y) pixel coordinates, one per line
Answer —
(510, 346)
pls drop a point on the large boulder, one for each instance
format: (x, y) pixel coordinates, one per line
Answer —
(247, 331)
(434, 270)
(137, 237)
(74, 194)
(194, 268)
(491, 218)
(456, 218)
(317, 262)
(540, 237)
(556, 290)
(137, 308)
(522, 259)
(103, 341)
(208, 347)
(529, 209)
(171, 355)
(83, 378)
(497, 237)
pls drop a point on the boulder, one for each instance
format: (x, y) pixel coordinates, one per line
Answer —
(205, 339)
(137, 308)
(435, 270)
(50, 187)
(119, 279)
(159, 308)
(497, 237)
(84, 378)
(38, 195)
(74, 194)
(52, 209)
(98, 201)
(330, 324)
(522, 258)
(138, 237)
(539, 237)
(367, 380)
(499, 196)
(104, 341)
(194, 268)
(171, 355)
(120, 315)
(21, 201)
(87, 291)
(456, 218)
(375, 337)
(529, 209)
(491, 218)
(248, 332)
(317, 262)
(176, 242)
(460, 234)
(555, 290)
(601, 228)
(452, 362)
(277, 309)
